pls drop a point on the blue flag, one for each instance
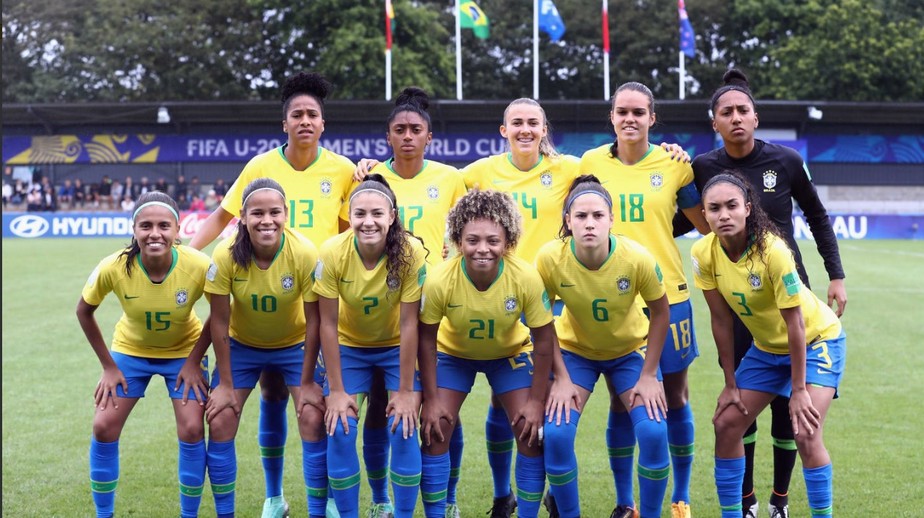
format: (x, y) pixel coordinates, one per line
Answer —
(687, 39)
(550, 21)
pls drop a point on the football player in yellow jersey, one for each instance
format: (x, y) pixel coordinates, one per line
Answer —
(264, 315)
(425, 190)
(157, 283)
(316, 181)
(368, 282)
(470, 323)
(647, 188)
(799, 348)
(602, 330)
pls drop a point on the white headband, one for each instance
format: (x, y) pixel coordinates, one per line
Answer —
(357, 192)
(244, 204)
(155, 204)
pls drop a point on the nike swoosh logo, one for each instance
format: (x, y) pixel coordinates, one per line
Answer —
(129, 297)
(684, 356)
(346, 281)
(563, 285)
(453, 306)
(237, 279)
(823, 372)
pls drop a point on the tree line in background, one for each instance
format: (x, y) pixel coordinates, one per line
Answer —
(153, 50)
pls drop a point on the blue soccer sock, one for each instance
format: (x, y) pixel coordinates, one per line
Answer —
(344, 472)
(375, 457)
(500, 441)
(271, 436)
(561, 465)
(530, 474)
(819, 485)
(653, 461)
(729, 474)
(680, 431)
(456, 445)
(104, 475)
(620, 445)
(222, 466)
(191, 467)
(433, 481)
(314, 469)
(405, 470)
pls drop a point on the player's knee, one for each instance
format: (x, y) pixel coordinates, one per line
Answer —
(559, 439)
(651, 435)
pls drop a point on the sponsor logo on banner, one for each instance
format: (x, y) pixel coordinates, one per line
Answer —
(29, 226)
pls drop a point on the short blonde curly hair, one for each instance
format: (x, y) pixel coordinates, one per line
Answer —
(491, 205)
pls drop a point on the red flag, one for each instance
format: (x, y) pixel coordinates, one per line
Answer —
(606, 29)
(389, 16)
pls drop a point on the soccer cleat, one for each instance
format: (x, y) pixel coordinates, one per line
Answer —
(680, 510)
(503, 507)
(452, 511)
(751, 512)
(549, 502)
(275, 507)
(382, 511)
(331, 510)
(778, 511)
(624, 511)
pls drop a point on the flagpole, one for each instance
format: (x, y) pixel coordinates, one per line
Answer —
(458, 54)
(683, 75)
(536, 49)
(606, 52)
(388, 50)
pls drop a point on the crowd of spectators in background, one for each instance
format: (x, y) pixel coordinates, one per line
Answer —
(41, 195)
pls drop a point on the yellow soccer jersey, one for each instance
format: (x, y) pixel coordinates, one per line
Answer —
(601, 319)
(757, 289)
(314, 195)
(484, 325)
(645, 197)
(539, 193)
(267, 306)
(423, 202)
(370, 311)
(158, 320)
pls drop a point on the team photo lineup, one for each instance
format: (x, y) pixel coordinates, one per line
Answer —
(367, 297)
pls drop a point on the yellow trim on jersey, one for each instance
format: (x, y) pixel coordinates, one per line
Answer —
(267, 306)
(644, 203)
(369, 310)
(602, 318)
(314, 195)
(484, 325)
(539, 194)
(158, 319)
(756, 288)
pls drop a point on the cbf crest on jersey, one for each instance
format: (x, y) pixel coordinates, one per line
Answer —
(511, 304)
(433, 192)
(546, 179)
(623, 284)
(326, 186)
(182, 297)
(754, 281)
(769, 180)
(288, 282)
(657, 180)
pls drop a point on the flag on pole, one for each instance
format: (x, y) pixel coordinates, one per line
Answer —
(472, 17)
(606, 28)
(606, 50)
(389, 24)
(687, 39)
(550, 21)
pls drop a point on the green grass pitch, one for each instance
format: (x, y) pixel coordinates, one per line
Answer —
(49, 371)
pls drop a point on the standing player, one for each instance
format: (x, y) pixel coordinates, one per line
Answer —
(784, 177)
(799, 350)
(425, 190)
(264, 316)
(602, 330)
(316, 181)
(649, 187)
(368, 282)
(470, 323)
(157, 283)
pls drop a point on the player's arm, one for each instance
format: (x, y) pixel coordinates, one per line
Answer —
(112, 376)
(802, 412)
(211, 228)
(190, 376)
(648, 389)
(405, 404)
(534, 410)
(563, 395)
(223, 395)
(695, 215)
(310, 392)
(339, 404)
(722, 321)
